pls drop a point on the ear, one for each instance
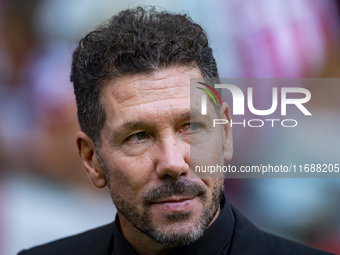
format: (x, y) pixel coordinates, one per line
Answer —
(87, 153)
(228, 137)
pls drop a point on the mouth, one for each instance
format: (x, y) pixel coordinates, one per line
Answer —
(175, 204)
(173, 199)
(183, 196)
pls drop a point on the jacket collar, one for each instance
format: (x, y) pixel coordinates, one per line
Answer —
(247, 238)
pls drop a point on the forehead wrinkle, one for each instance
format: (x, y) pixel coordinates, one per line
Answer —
(140, 90)
(171, 79)
(143, 123)
(138, 84)
(147, 97)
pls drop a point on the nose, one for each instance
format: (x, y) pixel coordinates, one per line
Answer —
(173, 158)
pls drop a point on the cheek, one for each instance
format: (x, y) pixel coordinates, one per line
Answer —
(129, 176)
(205, 155)
(208, 147)
(216, 186)
(213, 183)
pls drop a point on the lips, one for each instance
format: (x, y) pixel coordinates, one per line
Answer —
(173, 196)
(173, 199)
(175, 204)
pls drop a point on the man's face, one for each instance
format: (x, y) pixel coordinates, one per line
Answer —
(145, 152)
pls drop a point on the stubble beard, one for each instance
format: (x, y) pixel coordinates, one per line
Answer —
(173, 236)
(185, 187)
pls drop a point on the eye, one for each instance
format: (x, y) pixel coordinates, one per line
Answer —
(194, 126)
(190, 127)
(138, 136)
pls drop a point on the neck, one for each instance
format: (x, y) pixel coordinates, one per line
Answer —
(140, 242)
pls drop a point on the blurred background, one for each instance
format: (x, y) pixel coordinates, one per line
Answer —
(44, 192)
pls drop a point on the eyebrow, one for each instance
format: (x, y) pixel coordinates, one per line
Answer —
(185, 115)
(195, 114)
(134, 124)
(191, 114)
(141, 124)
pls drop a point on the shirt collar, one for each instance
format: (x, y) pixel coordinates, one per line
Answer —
(216, 239)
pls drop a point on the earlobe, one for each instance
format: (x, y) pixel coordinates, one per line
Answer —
(228, 137)
(87, 153)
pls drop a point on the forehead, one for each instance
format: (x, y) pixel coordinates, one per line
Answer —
(167, 87)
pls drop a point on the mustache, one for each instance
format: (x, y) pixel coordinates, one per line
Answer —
(174, 188)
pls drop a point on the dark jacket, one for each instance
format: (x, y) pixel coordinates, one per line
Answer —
(232, 233)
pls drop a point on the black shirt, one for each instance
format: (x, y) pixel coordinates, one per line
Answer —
(230, 234)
